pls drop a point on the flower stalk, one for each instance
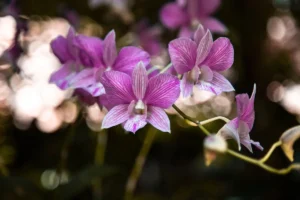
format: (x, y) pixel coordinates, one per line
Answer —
(139, 164)
(257, 162)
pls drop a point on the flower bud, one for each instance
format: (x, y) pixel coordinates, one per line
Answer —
(213, 145)
(288, 139)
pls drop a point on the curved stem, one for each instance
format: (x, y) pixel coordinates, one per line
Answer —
(267, 156)
(260, 162)
(166, 68)
(214, 119)
(263, 165)
(139, 164)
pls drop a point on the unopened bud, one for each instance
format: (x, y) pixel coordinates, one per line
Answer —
(288, 139)
(213, 145)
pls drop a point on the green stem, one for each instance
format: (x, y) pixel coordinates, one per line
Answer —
(260, 162)
(214, 119)
(99, 159)
(267, 156)
(139, 164)
(166, 68)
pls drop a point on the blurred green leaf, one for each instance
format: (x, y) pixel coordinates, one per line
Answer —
(80, 181)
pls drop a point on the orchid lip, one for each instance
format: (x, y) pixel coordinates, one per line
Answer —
(139, 107)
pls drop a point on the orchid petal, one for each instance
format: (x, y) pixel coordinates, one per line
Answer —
(186, 86)
(206, 8)
(214, 25)
(220, 56)
(230, 131)
(204, 47)
(183, 54)
(162, 91)
(109, 48)
(243, 131)
(129, 57)
(135, 123)
(245, 108)
(84, 96)
(158, 118)
(218, 84)
(139, 80)
(118, 87)
(115, 116)
(62, 76)
(185, 31)
(199, 34)
(60, 49)
(90, 50)
(173, 16)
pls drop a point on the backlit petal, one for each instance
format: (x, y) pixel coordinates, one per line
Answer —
(204, 47)
(183, 54)
(115, 116)
(158, 118)
(109, 48)
(139, 80)
(221, 55)
(118, 87)
(129, 57)
(162, 91)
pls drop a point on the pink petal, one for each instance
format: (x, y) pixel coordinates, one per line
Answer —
(95, 89)
(159, 119)
(218, 84)
(90, 50)
(129, 57)
(243, 131)
(230, 131)
(185, 31)
(188, 81)
(83, 78)
(162, 91)
(115, 116)
(206, 74)
(204, 47)
(118, 87)
(135, 123)
(181, 3)
(213, 25)
(257, 145)
(139, 80)
(206, 8)
(221, 55)
(183, 54)
(109, 48)
(199, 34)
(60, 49)
(186, 86)
(245, 107)
(173, 16)
(63, 76)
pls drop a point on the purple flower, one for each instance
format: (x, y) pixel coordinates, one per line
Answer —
(85, 58)
(240, 127)
(184, 13)
(138, 100)
(200, 61)
(148, 38)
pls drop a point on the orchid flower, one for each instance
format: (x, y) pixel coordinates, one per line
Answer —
(184, 14)
(138, 100)
(240, 127)
(148, 38)
(200, 61)
(85, 58)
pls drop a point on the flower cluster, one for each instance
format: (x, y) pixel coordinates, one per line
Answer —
(134, 94)
(186, 14)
